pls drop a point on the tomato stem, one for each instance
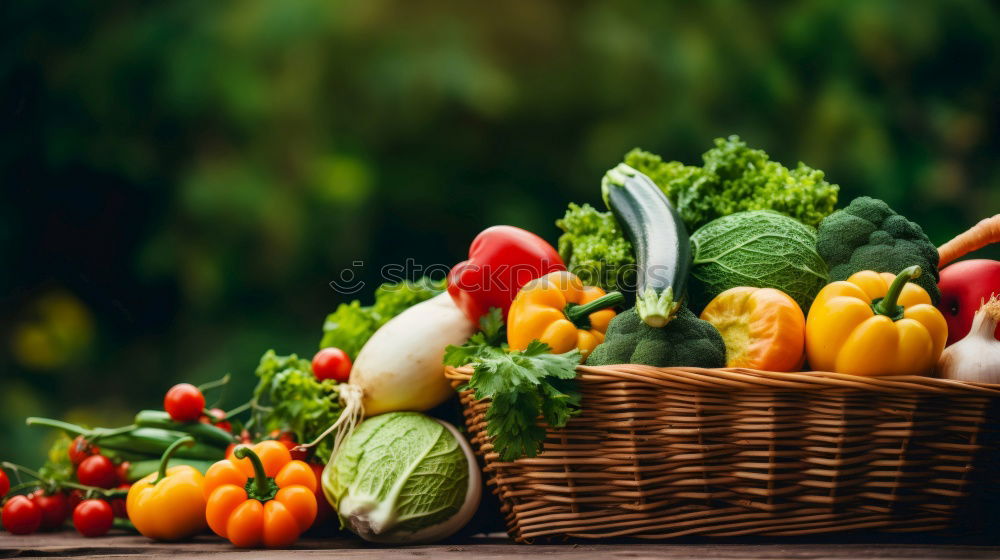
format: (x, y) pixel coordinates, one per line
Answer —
(221, 382)
(161, 473)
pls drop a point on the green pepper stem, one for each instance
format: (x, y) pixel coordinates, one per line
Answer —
(161, 473)
(578, 314)
(888, 305)
(262, 486)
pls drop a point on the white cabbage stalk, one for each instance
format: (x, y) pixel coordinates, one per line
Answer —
(976, 357)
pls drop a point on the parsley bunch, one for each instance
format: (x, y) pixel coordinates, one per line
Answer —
(521, 385)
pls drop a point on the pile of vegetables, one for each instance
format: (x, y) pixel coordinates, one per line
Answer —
(738, 262)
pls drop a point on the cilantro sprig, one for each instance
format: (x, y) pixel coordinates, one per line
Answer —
(521, 385)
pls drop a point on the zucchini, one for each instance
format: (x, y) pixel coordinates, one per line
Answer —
(660, 240)
(201, 431)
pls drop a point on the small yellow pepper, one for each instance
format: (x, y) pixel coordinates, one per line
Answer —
(875, 324)
(169, 504)
(560, 311)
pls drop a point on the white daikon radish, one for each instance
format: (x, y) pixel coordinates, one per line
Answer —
(400, 367)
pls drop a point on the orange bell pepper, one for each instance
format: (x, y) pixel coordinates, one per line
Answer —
(260, 496)
(875, 324)
(763, 328)
(169, 504)
(558, 310)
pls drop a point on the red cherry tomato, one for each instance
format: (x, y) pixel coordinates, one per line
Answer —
(332, 363)
(80, 449)
(54, 507)
(121, 472)
(218, 418)
(97, 470)
(118, 504)
(74, 499)
(184, 402)
(4, 484)
(93, 518)
(324, 510)
(21, 516)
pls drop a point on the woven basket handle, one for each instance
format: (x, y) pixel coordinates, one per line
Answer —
(987, 231)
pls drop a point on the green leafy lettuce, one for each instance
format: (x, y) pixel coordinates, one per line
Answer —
(735, 178)
(594, 248)
(288, 397)
(522, 386)
(351, 325)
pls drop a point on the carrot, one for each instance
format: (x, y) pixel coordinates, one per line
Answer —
(980, 235)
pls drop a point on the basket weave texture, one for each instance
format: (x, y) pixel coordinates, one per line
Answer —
(659, 453)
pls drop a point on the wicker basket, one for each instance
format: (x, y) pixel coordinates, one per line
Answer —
(662, 453)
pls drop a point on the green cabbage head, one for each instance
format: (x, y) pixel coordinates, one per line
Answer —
(403, 478)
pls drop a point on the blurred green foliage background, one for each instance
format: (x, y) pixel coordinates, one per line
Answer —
(182, 179)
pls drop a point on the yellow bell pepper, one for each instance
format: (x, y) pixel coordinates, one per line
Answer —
(560, 311)
(875, 324)
(169, 504)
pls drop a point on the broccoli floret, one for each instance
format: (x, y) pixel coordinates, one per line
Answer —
(595, 249)
(736, 178)
(868, 235)
(685, 341)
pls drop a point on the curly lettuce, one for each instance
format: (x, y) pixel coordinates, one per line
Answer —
(594, 248)
(737, 178)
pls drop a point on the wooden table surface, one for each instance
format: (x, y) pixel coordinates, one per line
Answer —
(124, 545)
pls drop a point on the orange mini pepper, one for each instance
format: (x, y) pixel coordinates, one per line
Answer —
(260, 496)
(875, 324)
(763, 328)
(169, 504)
(560, 311)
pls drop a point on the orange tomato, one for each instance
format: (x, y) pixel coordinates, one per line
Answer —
(762, 328)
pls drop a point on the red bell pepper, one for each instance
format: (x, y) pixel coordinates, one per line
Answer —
(501, 260)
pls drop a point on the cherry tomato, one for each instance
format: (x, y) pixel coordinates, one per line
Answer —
(21, 516)
(118, 504)
(324, 510)
(184, 402)
(80, 449)
(121, 472)
(97, 470)
(218, 418)
(55, 508)
(74, 499)
(93, 518)
(4, 484)
(332, 363)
